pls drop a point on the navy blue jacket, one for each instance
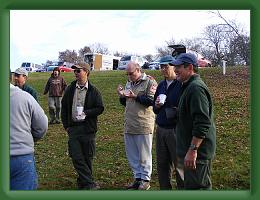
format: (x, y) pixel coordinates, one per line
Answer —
(173, 94)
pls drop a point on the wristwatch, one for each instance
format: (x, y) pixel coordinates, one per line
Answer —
(193, 147)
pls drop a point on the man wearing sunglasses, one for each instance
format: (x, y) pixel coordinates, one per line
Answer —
(137, 97)
(81, 105)
(20, 78)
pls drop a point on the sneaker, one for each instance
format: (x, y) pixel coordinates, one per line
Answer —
(144, 185)
(52, 122)
(134, 186)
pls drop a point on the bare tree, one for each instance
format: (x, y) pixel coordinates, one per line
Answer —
(82, 51)
(149, 57)
(99, 48)
(232, 24)
(235, 43)
(165, 50)
(216, 37)
(120, 54)
(68, 56)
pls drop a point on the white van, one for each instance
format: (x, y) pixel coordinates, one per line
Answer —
(30, 67)
(126, 59)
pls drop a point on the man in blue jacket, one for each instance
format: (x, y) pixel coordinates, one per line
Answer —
(195, 131)
(166, 123)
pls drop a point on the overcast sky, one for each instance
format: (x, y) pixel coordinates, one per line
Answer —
(37, 36)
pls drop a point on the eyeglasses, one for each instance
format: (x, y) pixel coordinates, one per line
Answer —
(77, 70)
(163, 66)
(130, 73)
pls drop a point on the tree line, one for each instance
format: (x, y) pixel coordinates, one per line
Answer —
(224, 41)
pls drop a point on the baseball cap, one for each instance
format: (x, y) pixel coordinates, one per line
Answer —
(81, 66)
(185, 58)
(166, 60)
(21, 71)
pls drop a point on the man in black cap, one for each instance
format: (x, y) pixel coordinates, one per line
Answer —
(81, 104)
(195, 131)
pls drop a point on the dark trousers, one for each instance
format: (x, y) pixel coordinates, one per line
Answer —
(198, 179)
(166, 158)
(82, 146)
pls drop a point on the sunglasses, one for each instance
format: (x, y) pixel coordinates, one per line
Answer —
(77, 70)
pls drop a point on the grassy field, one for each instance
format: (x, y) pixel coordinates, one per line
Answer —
(231, 167)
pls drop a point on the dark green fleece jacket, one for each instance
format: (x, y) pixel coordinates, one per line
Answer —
(93, 107)
(195, 118)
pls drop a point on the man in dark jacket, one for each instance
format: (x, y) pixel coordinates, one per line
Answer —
(20, 78)
(81, 104)
(166, 122)
(195, 131)
(55, 86)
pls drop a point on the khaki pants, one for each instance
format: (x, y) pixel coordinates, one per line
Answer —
(54, 104)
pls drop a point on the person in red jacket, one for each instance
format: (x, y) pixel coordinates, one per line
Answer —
(55, 86)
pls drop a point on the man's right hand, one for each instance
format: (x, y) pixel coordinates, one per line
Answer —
(120, 90)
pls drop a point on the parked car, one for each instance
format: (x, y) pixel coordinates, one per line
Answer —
(29, 66)
(154, 65)
(203, 62)
(126, 59)
(62, 67)
(41, 69)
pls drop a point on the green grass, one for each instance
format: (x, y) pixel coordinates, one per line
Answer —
(230, 169)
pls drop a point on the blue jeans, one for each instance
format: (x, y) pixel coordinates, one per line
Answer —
(23, 175)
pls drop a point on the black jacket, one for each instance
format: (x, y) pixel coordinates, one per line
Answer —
(92, 108)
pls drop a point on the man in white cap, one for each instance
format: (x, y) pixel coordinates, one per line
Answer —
(28, 124)
(20, 78)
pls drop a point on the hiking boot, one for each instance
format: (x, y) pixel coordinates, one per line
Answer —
(92, 186)
(134, 185)
(144, 185)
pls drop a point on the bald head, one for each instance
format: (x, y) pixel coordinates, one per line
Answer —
(133, 71)
(131, 66)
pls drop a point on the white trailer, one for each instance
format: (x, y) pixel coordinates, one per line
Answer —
(101, 62)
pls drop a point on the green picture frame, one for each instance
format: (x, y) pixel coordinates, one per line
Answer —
(7, 5)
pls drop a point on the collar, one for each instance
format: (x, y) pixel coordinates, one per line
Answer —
(192, 78)
(143, 77)
(85, 86)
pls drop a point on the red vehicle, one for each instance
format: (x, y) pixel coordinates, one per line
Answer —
(203, 62)
(61, 65)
